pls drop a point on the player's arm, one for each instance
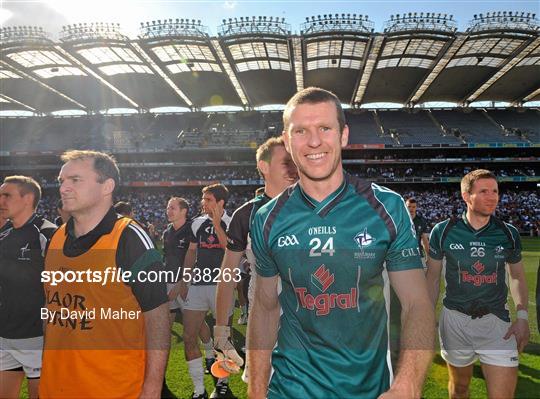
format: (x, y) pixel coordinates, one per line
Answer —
(520, 295)
(434, 263)
(425, 243)
(263, 319)
(433, 277)
(226, 286)
(237, 235)
(224, 299)
(158, 337)
(417, 313)
(262, 335)
(137, 254)
(182, 286)
(417, 333)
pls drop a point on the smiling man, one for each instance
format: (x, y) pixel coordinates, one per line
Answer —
(327, 245)
(475, 323)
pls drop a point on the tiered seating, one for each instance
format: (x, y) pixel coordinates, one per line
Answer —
(414, 128)
(364, 130)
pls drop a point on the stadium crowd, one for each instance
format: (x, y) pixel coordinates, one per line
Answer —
(211, 173)
(521, 208)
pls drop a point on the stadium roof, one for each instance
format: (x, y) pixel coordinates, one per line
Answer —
(257, 61)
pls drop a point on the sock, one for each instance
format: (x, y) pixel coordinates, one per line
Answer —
(244, 309)
(208, 349)
(196, 373)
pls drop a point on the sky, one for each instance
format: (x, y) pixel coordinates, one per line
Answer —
(53, 14)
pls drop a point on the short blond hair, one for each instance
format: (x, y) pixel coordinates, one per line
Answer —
(470, 178)
(104, 164)
(266, 150)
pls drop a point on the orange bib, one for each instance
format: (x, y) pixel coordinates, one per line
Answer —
(93, 348)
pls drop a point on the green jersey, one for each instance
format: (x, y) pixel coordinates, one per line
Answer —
(475, 264)
(330, 257)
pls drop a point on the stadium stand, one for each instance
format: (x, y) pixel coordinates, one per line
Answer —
(154, 132)
(475, 126)
(414, 128)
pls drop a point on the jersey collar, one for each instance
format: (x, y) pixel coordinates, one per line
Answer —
(105, 226)
(30, 220)
(326, 205)
(481, 229)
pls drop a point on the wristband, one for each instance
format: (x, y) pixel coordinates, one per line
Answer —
(522, 314)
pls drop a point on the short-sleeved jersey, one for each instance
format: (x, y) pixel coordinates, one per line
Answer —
(209, 250)
(475, 263)
(238, 237)
(420, 227)
(175, 246)
(22, 257)
(330, 257)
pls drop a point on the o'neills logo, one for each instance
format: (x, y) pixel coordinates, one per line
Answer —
(324, 302)
(478, 279)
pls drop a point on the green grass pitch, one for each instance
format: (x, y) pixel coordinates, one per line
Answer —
(436, 384)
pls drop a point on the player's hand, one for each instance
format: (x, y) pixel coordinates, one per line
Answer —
(520, 329)
(183, 290)
(392, 394)
(396, 393)
(174, 292)
(223, 347)
(149, 393)
(216, 212)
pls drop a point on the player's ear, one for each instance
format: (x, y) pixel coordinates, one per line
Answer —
(466, 196)
(286, 139)
(263, 166)
(345, 136)
(108, 186)
(28, 199)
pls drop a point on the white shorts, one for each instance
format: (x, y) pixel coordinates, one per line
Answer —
(464, 340)
(25, 353)
(176, 303)
(202, 298)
